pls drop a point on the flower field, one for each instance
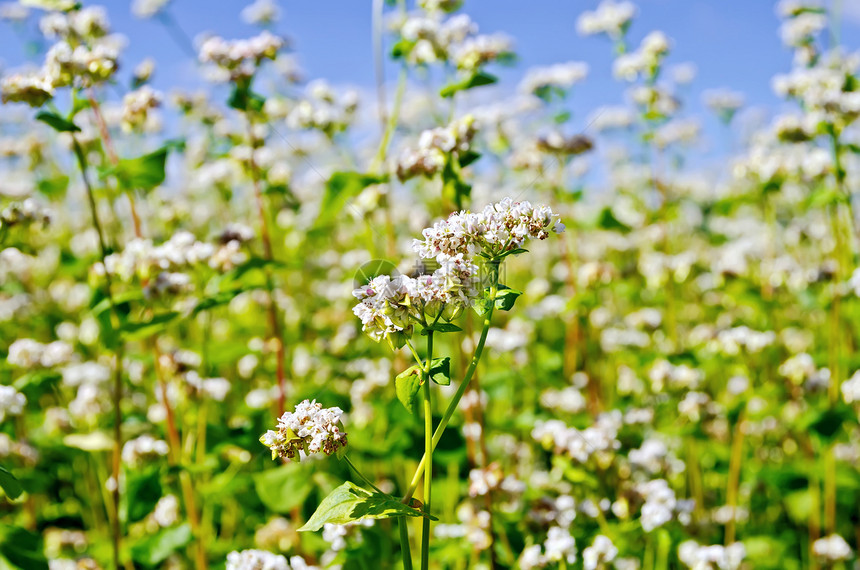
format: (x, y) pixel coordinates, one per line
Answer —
(279, 323)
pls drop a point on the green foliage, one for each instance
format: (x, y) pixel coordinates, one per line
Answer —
(154, 549)
(10, 485)
(350, 503)
(340, 188)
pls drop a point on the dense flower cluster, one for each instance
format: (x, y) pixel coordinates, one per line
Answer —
(496, 229)
(262, 560)
(240, 58)
(309, 429)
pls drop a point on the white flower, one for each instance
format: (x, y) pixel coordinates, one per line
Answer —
(12, 402)
(560, 545)
(261, 12)
(142, 448)
(600, 552)
(310, 428)
(611, 18)
(832, 548)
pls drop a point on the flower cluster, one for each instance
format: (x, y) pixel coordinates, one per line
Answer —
(32, 88)
(611, 18)
(390, 305)
(426, 40)
(12, 402)
(136, 106)
(434, 148)
(696, 556)
(645, 61)
(240, 58)
(498, 228)
(27, 353)
(262, 560)
(310, 429)
(323, 109)
(560, 75)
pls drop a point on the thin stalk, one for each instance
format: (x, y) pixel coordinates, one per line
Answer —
(274, 325)
(452, 405)
(405, 551)
(360, 474)
(734, 478)
(112, 156)
(117, 385)
(428, 453)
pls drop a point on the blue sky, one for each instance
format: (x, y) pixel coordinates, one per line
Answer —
(734, 43)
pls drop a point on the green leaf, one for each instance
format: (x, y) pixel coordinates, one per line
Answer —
(143, 491)
(477, 79)
(406, 385)
(349, 503)
(440, 371)
(506, 297)
(441, 327)
(284, 488)
(22, 548)
(340, 188)
(468, 158)
(608, 221)
(156, 548)
(11, 486)
(144, 172)
(55, 186)
(243, 99)
(516, 251)
(57, 122)
(482, 306)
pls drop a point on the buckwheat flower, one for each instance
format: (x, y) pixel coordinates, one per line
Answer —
(609, 118)
(136, 106)
(560, 75)
(677, 131)
(573, 145)
(33, 88)
(240, 57)
(802, 29)
(599, 553)
(476, 51)
(532, 557)
(611, 18)
(851, 389)
(659, 503)
(146, 9)
(262, 560)
(309, 429)
(497, 228)
(12, 402)
(143, 71)
(261, 12)
(832, 548)
(166, 511)
(143, 448)
(434, 145)
(560, 545)
(700, 557)
(723, 102)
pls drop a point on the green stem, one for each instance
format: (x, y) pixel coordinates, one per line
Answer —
(116, 531)
(428, 453)
(404, 544)
(452, 406)
(361, 475)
